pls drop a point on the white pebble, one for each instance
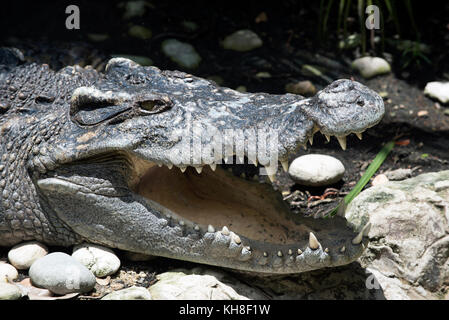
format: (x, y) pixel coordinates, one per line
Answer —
(316, 170)
(7, 272)
(101, 261)
(23, 255)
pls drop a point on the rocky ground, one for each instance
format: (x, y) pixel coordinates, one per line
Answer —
(280, 54)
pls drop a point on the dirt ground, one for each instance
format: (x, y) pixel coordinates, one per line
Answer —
(417, 122)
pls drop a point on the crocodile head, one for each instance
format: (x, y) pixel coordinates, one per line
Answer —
(138, 166)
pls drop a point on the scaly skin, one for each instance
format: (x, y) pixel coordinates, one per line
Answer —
(79, 152)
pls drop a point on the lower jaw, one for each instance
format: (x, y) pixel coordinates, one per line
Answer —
(245, 225)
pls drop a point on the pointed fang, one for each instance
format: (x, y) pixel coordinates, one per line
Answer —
(342, 142)
(364, 232)
(285, 165)
(359, 135)
(199, 169)
(313, 242)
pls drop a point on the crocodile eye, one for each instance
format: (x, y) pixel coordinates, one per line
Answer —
(156, 105)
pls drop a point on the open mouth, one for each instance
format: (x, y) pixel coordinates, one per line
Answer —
(229, 202)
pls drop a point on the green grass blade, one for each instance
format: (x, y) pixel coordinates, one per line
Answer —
(370, 171)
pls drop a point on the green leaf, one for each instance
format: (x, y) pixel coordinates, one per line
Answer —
(370, 171)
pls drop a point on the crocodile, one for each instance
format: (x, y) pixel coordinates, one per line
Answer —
(100, 157)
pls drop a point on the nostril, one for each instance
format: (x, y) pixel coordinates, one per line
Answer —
(361, 103)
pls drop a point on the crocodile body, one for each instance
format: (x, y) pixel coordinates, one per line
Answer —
(94, 157)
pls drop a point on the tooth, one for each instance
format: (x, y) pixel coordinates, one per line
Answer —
(341, 209)
(343, 249)
(328, 137)
(210, 229)
(159, 165)
(279, 254)
(326, 250)
(311, 140)
(313, 242)
(272, 178)
(181, 223)
(225, 231)
(196, 228)
(213, 166)
(342, 142)
(254, 162)
(363, 232)
(183, 169)
(265, 254)
(284, 164)
(290, 252)
(305, 146)
(358, 238)
(299, 251)
(366, 229)
(199, 169)
(359, 135)
(170, 166)
(236, 239)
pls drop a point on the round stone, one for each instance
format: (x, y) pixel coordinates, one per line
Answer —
(242, 40)
(7, 272)
(101, 261)
(9, 291)
(184, 54)
(61, 274)
(23, 255)
(316, 170)
(371, 66)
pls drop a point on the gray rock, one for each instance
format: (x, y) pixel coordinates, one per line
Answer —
(61, 274)
(182, 53)
(7, 272)
(133, 293)
(316, 170)
(409, 247)
(100, 260)
(438, 90)
(369, 67)
(242, 40)
(9, 291)
(399, 174)
(23, 255)
(196, 284)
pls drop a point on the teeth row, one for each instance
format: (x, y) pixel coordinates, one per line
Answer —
(284, 163)
(313, 242)
(341, 139)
